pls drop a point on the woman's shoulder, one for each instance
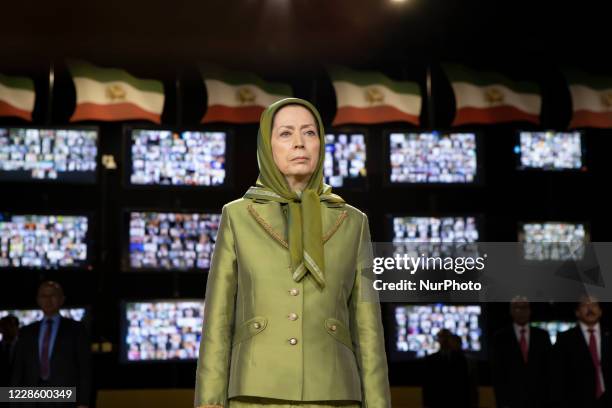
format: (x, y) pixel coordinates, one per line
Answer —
(241, 206)
(354, 212)
(236, 205)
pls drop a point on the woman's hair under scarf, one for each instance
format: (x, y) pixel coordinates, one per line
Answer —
(305, 229)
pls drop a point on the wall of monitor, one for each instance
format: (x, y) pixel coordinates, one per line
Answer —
(131, 245)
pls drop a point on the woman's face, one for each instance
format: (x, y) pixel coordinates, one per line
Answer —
(295, 142)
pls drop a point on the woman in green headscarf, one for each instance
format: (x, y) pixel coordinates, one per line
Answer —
(290, 317)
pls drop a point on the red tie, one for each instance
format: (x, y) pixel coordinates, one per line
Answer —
(523, 344)
(44, 356)
(596, 364)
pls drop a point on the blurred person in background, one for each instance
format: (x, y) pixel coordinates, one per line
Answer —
(53, 352)
(582, 360)
(449, 377)
(9, 330)
(520, 361)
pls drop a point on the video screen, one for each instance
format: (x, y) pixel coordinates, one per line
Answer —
(171, 241)
(55, 155)
(553, 241)
(29, 316)
(345, 160)
(550, 150)
(170, 158)
(434, 236)
(162, 330)
(418, 325)
(433, 157)
(434, 229)
(554, 328)
(43, 241)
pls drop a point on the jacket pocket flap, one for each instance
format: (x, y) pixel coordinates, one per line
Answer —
(249, 328)
(339, 331)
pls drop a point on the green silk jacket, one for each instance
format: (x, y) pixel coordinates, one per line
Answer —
(266, 335)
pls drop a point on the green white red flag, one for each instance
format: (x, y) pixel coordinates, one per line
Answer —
(16, 97)
(489, 97)
(112, 94)
(591, 99)
(368, 97)
(238, 96)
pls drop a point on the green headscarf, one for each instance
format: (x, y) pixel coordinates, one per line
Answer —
(305, 230)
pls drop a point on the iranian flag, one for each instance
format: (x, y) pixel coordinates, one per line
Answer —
(591, 100)
(488, 97)
(112, 94)
(238, 96)
(16, 97)
(367, 97)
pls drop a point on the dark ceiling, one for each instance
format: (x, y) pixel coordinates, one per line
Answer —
(294, 33)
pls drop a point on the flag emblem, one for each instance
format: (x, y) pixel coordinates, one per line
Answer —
(374, 95)
(115, 92)
(494, 96)
(606, 99)
(246, 95)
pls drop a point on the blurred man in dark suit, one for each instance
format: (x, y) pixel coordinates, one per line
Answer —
(448, 377)
(520, 361)
(53, 352)
(9, 329)
(583, 360)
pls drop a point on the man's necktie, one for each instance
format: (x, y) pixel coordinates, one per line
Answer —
(44, 354)
(596, 364)
(523, 344)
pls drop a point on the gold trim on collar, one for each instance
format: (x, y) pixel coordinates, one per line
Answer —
(333, 229)
(280, 239)
(267, 226)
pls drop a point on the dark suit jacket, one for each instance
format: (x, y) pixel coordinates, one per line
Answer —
(574, 371)
(449, 380)
(70, 363)
(518, 384)
(7, 353)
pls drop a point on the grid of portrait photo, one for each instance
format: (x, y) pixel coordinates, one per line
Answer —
(553, 241)
(418, 325)
(43, 241)
(435, 236)
(164, 157)
(172, 241)
(433, 157)
(47, 154)
(435, 229)
(164, 330)
(345, 160)
(551, 150)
